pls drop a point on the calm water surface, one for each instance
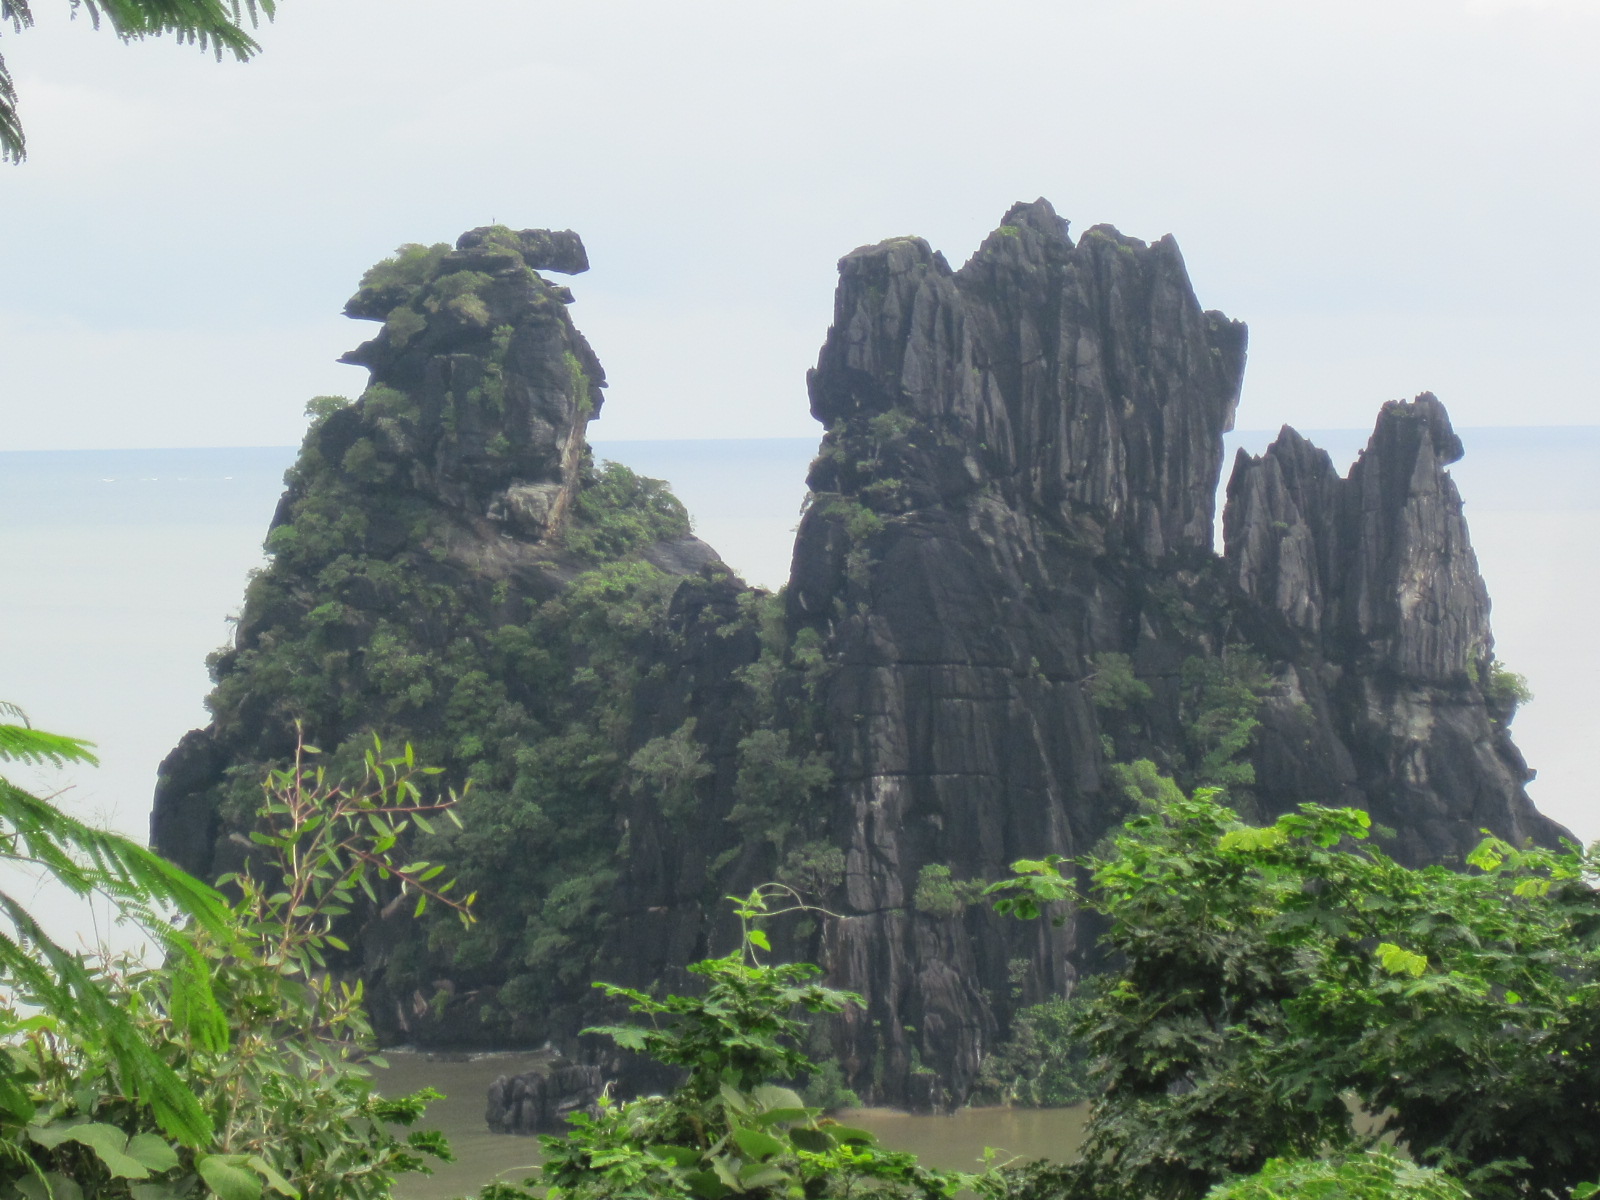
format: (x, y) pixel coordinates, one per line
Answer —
(955, 1142)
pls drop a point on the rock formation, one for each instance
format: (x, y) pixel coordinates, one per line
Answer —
(1369, 585)
(1006, 621)
(539, 1101)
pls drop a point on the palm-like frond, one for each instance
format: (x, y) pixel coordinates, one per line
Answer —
(86, 860)
(23, 743)
(60, 983)
(13, 145)
(16, 13)
(215, 25)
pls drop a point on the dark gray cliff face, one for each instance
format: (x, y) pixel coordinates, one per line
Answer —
(1005, 620)
(1083, 383)
(1015, 488)
(1005, 444)
(1374, 590)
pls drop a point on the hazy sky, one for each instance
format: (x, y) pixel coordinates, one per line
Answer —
(1396, 195)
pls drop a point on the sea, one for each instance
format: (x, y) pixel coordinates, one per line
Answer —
(120, 570)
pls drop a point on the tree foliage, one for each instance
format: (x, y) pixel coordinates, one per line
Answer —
(1269, 977)
(733, 1128)
(247, 1020)
(214, 25)
(84, 1012)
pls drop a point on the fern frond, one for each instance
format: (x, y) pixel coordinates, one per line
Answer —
(59, 982)
(22, 742)
(16, 13)
(18, 743)
(86, 859)
(216, 25)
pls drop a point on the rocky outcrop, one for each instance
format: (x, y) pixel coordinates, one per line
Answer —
(421, 585)
(1008, 448)
(481, 385)
(540, 1101)
(1005, 618)
(1376, 592)
(1012, 508)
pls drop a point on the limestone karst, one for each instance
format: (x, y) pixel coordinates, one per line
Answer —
(1004, 597)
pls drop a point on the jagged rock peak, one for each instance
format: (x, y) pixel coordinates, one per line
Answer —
(481, 385)
(1378, 565)
(558, 250)
(1083, 381)
(1373, 579)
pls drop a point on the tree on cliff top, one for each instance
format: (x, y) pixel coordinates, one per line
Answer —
(216, 25)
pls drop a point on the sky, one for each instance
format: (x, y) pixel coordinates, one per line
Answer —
(1395, 195)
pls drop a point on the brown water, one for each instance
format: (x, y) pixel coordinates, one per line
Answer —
(955, 1142)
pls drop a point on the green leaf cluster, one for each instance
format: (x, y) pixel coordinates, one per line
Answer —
(1373, 1175)
(78, 1010)
(731, 1128)
(233, 1068)
(1045, 1062)
(939, 894)
(1289, 991)
(215, 25)
(1221, 697)
(618, 511)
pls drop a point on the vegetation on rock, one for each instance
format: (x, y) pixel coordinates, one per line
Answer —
(1006, 628)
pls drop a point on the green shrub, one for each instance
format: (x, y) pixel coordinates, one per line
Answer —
(618, 511)
(1045, 1063)
(1112, 683)
(380, 400)
(813, 869)
(361, 462)
(669, 768)
(1507, 689)
(859, 521)
(320, 408)
(731, 1128)
(269, 1047)
(1220, 699)
(1143, 785)
(825, 1088)
(774, 784)
(1375, 1175)
(410, 266)
(403, 324)
(1271, 982)
(940, 895)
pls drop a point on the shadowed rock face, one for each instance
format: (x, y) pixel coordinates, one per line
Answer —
(1009, 447)
(1003, 590)
(1016, 481)
(1083, 383)
(1374, 582)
